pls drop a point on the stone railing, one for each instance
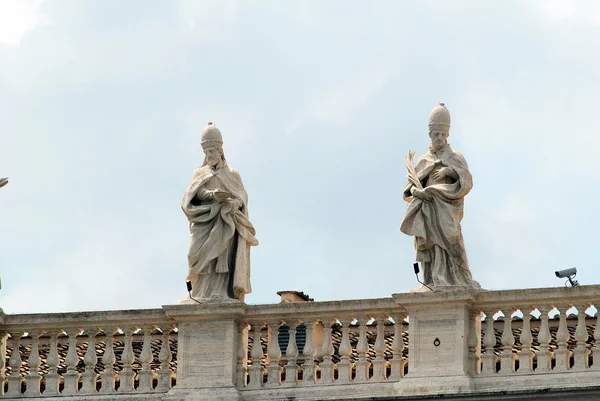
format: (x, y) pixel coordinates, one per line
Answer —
(88, 353)
(541, 333)
(304, 345)
(483, 342)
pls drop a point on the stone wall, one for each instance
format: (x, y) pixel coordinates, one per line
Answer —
(517, 344)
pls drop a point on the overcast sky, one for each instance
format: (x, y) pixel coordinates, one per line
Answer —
(102, 103)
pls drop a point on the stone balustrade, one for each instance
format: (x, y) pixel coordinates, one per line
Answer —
(536, 338)
(103, 353)
(470, 342)
(325, 343)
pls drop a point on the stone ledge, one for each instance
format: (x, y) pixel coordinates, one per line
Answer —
(92, 397)
(350, 391)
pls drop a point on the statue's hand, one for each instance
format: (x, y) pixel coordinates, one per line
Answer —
(421, 194)
(220, 196)
(443, 173)
(237, 204)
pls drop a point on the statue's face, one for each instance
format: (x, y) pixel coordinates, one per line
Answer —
(213, 156)
(438, 139)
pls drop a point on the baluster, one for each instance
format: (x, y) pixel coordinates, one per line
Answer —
(3, 338)
(15, 362)
(291, 353)
(345, 350)
(397, 371)
(127, 358)
(256, 370)
(71, 377)
(507, 358)
(53, 360)
(242, 357)
(108, 359)
(489, 341)
(145, 359)
(581, 335)
(379, 362)
(544, 356)
(327, 350)
(362, 369)
(309, 352)
(165, 357)
(526, 354)
(562, 337)
(274, 371)
(596, 352)
(33, 378)
(90, 359)
(474, 342)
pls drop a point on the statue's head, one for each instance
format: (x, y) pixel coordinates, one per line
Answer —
(212, 144)
(439, 126)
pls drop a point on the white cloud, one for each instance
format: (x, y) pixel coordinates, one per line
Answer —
(17, 17)
(337, 104)
(104, 118)
(588, 11)
(507, 230)
(109, 267)
(207, 20)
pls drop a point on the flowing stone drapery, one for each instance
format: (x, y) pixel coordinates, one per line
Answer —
(221, 234)
(435, 196)
(216, 205)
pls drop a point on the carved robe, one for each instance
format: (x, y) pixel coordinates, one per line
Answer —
(221, 234)
(435, 224)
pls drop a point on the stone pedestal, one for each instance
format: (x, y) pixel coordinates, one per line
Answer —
(438, 347)
(207, 351)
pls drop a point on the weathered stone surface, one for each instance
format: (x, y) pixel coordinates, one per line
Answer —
(435, 195)
(218, 357)
(216, 205)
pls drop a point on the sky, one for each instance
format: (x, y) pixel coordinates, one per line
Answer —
(102, 103)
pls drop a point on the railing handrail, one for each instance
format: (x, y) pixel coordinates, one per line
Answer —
(123, 318)
(360, 308)
(534, 297)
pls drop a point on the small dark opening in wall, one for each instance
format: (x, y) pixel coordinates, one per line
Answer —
(284, 338)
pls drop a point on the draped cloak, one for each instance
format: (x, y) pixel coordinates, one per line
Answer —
(435, 223)
(221, 234)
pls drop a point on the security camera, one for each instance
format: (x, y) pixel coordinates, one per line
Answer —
(566, 273)
(569, 274)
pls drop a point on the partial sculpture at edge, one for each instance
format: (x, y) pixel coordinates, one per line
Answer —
(3, 181)
(435, 196)
(216, 205)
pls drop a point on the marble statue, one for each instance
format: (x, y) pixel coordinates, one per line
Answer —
(216, 205)
(3, 181)
(435, 196)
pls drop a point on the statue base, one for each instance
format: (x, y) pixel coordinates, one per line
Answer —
(446, 288)
(209, 301)
(440, 323)
(208, 341)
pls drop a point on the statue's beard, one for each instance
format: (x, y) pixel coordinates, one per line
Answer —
(438, 145)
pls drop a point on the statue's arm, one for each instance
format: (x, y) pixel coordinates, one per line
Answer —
(451, 172)
(197, 191)
(408, 191)
(205, 194)
(201, 195)
(240, 185)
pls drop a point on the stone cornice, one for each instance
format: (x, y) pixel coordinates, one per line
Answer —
(121, 318)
